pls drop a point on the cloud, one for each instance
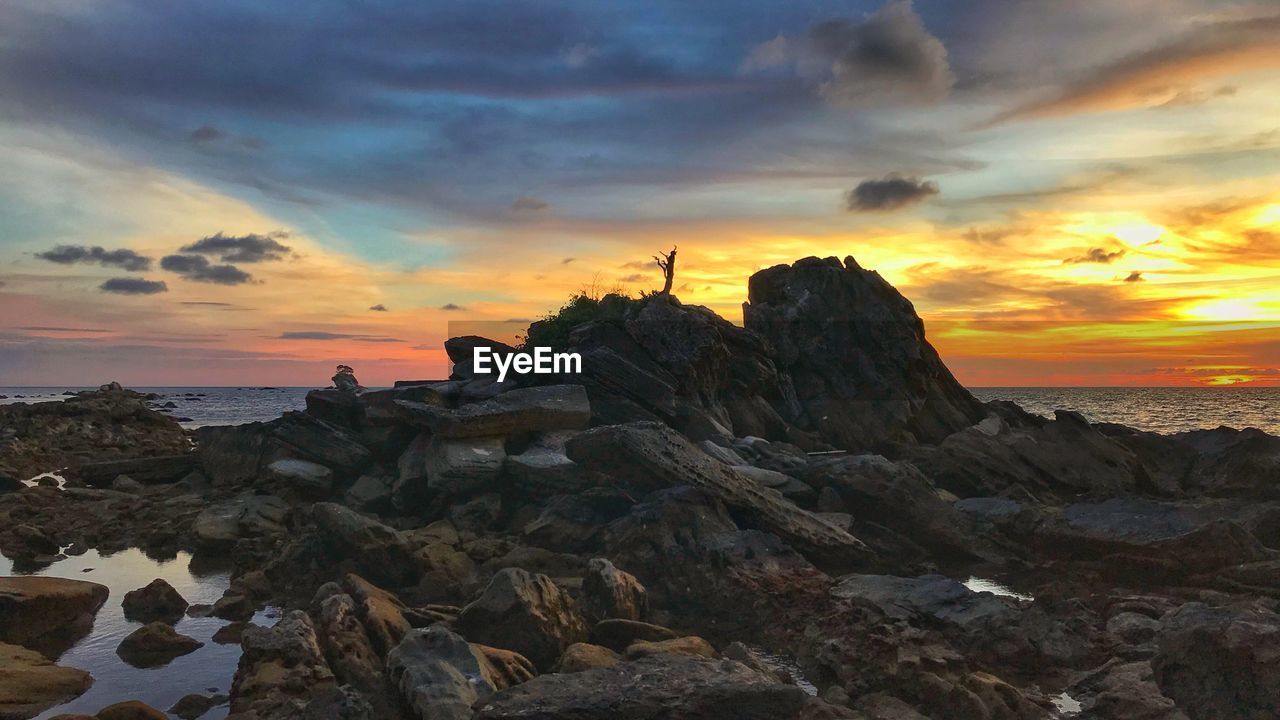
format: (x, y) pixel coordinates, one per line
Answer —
(197, 268)
(634, 277)
(124, 259)
(451, 307)
(46, 328)
(251, 248)
(1095, 255)
(379, 308)
(320, 335)
(890, 56)
(206, 303)
(1135, 276)
(529, 205)
(133, 286)
(567, 260)
(892, 192)
(1162, 73)
(205, 133)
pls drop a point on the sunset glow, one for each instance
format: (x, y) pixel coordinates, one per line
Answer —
(1101, 207)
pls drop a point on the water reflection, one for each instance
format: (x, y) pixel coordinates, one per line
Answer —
(207, 670)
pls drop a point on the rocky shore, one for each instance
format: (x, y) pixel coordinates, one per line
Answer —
(647, 538)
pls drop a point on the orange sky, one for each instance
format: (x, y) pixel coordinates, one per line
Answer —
(1099, 208)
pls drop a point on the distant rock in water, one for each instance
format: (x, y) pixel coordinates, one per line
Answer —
(855, 354)
(345, 380)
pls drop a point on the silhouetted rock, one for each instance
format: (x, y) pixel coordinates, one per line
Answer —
(155, 644)
(158, 600)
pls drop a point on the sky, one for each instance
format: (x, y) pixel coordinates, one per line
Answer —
(230, 192)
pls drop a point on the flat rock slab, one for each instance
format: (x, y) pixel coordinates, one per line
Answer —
(552, 407)
(652, 456)
(166, 468)
(932, 596)
(32, 607)
(30, 683)
(672, 687)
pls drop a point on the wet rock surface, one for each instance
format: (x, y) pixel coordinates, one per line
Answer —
(710, 521)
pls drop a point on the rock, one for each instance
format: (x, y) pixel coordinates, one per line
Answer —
(143, 471)
(380, 552)
(660, 686)
(308, 479)
(525, 613)
(130, 710)
(690, 645)
(124, 483)
(618, 634)
(351, 654)
(320, 441)
(723, 454)
(157, 601)
(339, 407)
(230, 634)
(534, 409)
(544, 470)
(584, 656)
(192, 706)
(370, 493)
(37, 609)
(939, 598)
(231, 454)
(217, 528)
(569, 523)
(345, 380)
(1122, 690)
(440, 675)
(651, 456)
(381, 613)
(282, 670)
(1219, 663)
(31, 683)
(233, 606)
(155, 644)
(608, 592)
(1133, 628)
(856, 355)
(461, 352)
(434, 465)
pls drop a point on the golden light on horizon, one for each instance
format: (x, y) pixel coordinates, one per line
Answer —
(1138, 234)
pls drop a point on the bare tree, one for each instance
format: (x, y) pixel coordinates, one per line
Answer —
(668, 265)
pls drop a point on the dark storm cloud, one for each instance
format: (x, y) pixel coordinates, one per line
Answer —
(889, 56)
(251, 248)
(319, 335)
(133, 286)
(1095, 255)
(889, 193)
(70, 254)
(198, 268)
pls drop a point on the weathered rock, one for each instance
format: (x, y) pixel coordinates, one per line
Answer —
(525, 613)
(1218, 663)
(190, 707)
(320, 441)
(690, 645)
(433, 465)
(157, 601)
(534, 409)
(306, 478)
(569, 523)
(147, 471)
(218, 527)
(935, 596)
(608, 592)
(856, 354)
(30, 683)
(461, 352)
(544, 470)
(380, 552)
(370, 493)
(675, 687)
(440, 675)
(584, 656)
(282, 672)
(341, 406)
(1122, 690)
(130, 710)
(351, 654)
(34, 609)
(650, 456)
(381, 612)
(155, 644)
(619, 634)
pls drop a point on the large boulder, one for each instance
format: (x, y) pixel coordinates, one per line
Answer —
(662, 686)
(317, 440)
(350, 653)
(30, 683)
(282, 671)
(158, 600)
(306, 478)
(651, 456)
(608, 592)
(150, 470)
(441, 676)
(381, 552)
(35, 609)
(526, 613)
(1219, 663)
(218, 527)
(860, 367)
(534, 409)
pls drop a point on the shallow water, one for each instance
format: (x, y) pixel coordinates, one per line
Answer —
(207, 670)
(1163, 410)
(978, 584)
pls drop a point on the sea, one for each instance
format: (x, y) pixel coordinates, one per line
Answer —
(1157, 409)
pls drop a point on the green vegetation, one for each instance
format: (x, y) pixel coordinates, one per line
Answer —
(584, 306)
